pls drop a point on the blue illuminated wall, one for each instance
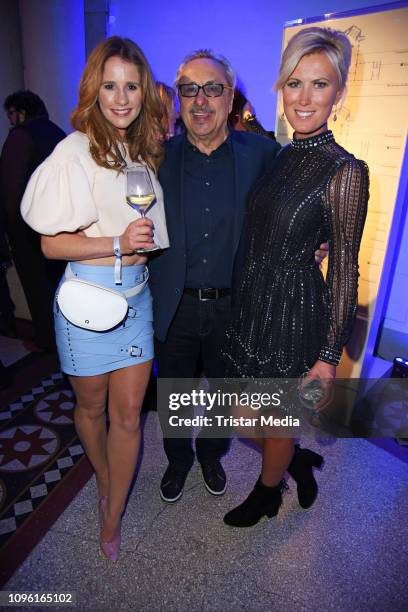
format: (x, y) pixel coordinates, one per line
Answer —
(53, 37)
(394, 335)
(248, 33)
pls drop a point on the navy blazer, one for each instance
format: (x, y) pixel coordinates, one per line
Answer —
(253, 155)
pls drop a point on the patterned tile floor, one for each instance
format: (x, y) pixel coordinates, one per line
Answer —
(42, 463)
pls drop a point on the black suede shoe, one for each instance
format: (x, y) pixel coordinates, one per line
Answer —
(301, 470)
(262, 501)
(214, 476)
(172, 484)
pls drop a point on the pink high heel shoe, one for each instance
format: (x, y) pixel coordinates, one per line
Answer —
(102, 508)
(109, 549)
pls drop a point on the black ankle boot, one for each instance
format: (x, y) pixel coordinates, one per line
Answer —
(262, 501)
(301, 470)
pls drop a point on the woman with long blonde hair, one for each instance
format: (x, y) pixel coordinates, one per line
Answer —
(287, 320)
(76, 200)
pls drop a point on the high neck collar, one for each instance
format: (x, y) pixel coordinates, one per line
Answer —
(313, 141)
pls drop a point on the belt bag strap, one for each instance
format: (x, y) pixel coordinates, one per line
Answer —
(127, 292)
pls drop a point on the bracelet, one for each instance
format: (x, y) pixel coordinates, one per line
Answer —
(118, 260)
(116, 246)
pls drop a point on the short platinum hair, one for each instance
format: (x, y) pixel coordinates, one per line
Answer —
(333, 43)
(208, 54)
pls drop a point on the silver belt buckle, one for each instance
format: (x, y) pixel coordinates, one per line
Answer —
(207, 299)
(135, 351)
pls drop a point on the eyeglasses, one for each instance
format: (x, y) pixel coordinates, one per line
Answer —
(211, 90)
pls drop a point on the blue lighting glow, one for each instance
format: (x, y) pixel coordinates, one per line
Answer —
(401, 360)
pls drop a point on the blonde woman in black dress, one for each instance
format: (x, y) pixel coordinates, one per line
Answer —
(287, 319)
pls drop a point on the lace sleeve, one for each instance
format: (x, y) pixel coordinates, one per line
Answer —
(346, 200)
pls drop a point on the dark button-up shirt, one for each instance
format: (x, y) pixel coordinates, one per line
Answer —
(209, 210)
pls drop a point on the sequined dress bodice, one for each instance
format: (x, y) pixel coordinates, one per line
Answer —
(285, 315)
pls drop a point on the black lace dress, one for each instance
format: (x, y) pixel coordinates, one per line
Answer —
(285, 315)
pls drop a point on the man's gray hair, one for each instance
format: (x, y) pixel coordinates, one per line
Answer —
(208, 54)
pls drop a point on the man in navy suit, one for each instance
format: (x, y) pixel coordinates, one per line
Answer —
(206, 177)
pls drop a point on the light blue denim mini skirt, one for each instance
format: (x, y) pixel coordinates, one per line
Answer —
(87, 353)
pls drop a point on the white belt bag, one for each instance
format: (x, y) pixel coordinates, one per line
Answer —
(92, 306)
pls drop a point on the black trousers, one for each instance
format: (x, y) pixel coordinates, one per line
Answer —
(6, 303)
(193, 345)
(39, 278)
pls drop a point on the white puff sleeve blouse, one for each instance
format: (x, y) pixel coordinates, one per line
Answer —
(70, 192)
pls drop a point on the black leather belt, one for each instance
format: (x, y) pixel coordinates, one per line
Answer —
(208, 293)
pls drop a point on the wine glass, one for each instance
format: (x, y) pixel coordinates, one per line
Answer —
(311, 392)
(140, 194)
(317, 393)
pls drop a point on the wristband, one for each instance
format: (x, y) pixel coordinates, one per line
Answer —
(118, 260)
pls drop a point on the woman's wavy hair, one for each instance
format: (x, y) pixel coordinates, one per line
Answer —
(143, 135)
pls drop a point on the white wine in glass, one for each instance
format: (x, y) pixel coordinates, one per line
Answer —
(140, 193)
(140, 203)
